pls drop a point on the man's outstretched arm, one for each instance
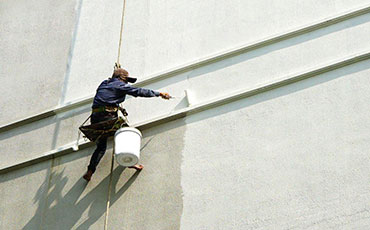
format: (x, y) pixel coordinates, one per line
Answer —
(141, 92)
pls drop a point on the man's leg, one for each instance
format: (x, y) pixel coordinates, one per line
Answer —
(101, 147)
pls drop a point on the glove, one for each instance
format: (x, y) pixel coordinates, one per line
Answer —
(165, 96)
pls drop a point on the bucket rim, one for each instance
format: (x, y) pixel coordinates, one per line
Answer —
(125, 129)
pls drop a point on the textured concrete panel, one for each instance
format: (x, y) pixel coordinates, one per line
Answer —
(159, 35)
(238, 73)
(63, 200)
(67, 201)
(35, 40)
(95, 48)
(153, 198)
(72, 203)
(177, 32)
(258, 67)
(37, 138)
(296, 157)
(23, 194)
(286, 58)
(292, 158)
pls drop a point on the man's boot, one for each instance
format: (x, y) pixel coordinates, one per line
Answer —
(88, 175)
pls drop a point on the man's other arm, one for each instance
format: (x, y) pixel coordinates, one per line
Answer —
(138, 92)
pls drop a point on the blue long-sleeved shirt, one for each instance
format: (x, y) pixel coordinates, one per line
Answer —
(113, 91)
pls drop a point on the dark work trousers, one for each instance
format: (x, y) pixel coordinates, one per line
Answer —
(101, 144)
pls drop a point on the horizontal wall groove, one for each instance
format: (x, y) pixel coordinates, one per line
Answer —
(199, 63)
(66, 149)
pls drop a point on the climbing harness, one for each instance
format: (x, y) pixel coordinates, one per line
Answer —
(102, 129)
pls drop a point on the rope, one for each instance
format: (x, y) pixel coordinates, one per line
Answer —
(111, 169)
(120, 34)
(109, 190)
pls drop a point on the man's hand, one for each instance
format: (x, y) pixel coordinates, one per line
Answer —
(165, 96)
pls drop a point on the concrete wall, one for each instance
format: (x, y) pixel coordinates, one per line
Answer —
(35, 41)
(291, 156)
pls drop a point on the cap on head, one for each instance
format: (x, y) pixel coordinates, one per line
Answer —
(123, 75)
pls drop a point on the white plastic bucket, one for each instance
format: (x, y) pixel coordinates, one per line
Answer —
(127, 143)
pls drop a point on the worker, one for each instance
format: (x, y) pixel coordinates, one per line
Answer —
(109, 95)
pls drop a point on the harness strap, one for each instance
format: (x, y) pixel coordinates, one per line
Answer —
(86, 120)
(110, 109)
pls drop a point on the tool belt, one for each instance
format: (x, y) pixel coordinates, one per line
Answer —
(102, 129)
(109, 109)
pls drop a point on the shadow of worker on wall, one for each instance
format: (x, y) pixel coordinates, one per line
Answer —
(58, 211)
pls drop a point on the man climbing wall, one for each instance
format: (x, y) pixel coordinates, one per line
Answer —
(109, 95)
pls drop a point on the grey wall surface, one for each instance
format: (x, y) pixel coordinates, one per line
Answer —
(35, 41)
(296, 157)
(291, 157)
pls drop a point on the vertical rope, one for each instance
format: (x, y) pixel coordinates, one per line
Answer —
(111, 168)
(109, 190)
(120, 34)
